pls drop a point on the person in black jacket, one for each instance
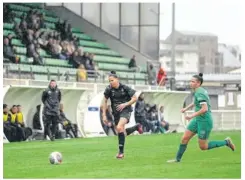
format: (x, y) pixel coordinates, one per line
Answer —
(8, 129)
(68, 126)
(51, 98)
(140, 114)
(121, 97)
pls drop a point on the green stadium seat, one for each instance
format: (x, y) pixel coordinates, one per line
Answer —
(116, 67)
(22, 50)
(76, 30)
(56, 62)
(82, 36)
(17, 42)
(93, 44)
(114, 60)
(6, 32)
(8, 26)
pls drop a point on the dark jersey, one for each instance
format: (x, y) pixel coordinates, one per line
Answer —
(119, 96)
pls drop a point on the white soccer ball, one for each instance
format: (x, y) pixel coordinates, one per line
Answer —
(55, 158)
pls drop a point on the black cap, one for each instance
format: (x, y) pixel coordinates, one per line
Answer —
(5, 106)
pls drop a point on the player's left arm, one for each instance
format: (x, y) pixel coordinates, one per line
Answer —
(132, 93)
(132, 101)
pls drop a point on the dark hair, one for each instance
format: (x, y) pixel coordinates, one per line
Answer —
(113, 74)
(18, 105)
(199, 77)
(14, 106)
(5, 106)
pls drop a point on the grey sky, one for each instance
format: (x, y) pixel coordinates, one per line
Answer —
(222, 18)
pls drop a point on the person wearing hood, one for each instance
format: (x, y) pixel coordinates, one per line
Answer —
(140, 114)
(51, 98)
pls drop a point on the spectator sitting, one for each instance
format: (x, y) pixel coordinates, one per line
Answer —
(151, 75)
(20, 135)
(140, 115)
(132, 64)
(17, 30)
(41, 22)
(85, 57)
(69, 127)
(10, 37)
(58, 25)
(33, 52)
(21, 123)
(57, 49)
(8, 14)
(90, 65)
(68, 33)
(76, 59)
(110, 124)
(81, 74)
(49, 45)
(161, 77)
(81, 56)
(8, 52)
(76, 42)
(9, 130)
(36, 118)
(164, 124)
(20, 117)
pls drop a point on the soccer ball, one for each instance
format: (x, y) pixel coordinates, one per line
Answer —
(55, 158)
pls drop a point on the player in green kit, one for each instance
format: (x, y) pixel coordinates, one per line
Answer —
(201, 121)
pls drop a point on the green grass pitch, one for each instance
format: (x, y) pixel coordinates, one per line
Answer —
(145, 157)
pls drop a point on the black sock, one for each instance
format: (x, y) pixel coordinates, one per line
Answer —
(131, 129)
(121, 141)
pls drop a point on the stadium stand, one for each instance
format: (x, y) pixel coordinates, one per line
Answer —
(105, 59)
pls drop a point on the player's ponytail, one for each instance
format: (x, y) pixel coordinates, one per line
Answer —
(199, 77)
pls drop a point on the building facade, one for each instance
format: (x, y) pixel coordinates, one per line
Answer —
(187, 58)
(207, 44)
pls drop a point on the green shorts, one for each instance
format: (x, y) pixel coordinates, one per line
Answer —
(202, 127)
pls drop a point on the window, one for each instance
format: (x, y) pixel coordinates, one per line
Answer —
(110, 18)
(168, 64)
(130, 35)
(89, 14)
(149, 13)
(130, 13)
(149, 41)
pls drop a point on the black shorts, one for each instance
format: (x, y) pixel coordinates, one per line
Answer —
(123, 114)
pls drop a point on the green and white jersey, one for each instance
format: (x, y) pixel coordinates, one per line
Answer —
(201, 97)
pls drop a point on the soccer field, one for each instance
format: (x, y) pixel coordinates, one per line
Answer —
(145, 157)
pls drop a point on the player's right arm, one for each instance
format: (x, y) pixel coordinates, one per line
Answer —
(44, 96)
(188, 107)
(104, 106)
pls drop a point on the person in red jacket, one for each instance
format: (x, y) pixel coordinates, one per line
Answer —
(161, 77)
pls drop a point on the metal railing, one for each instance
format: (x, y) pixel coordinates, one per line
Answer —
(223, 119)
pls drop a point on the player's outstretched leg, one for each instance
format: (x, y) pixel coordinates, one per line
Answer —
(182, 147)
(215, 144)
(137, 127)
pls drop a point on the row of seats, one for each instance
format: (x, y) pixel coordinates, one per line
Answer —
(53, 70)
(105, 58)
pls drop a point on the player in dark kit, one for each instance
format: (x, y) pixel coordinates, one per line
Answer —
(121, 97)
